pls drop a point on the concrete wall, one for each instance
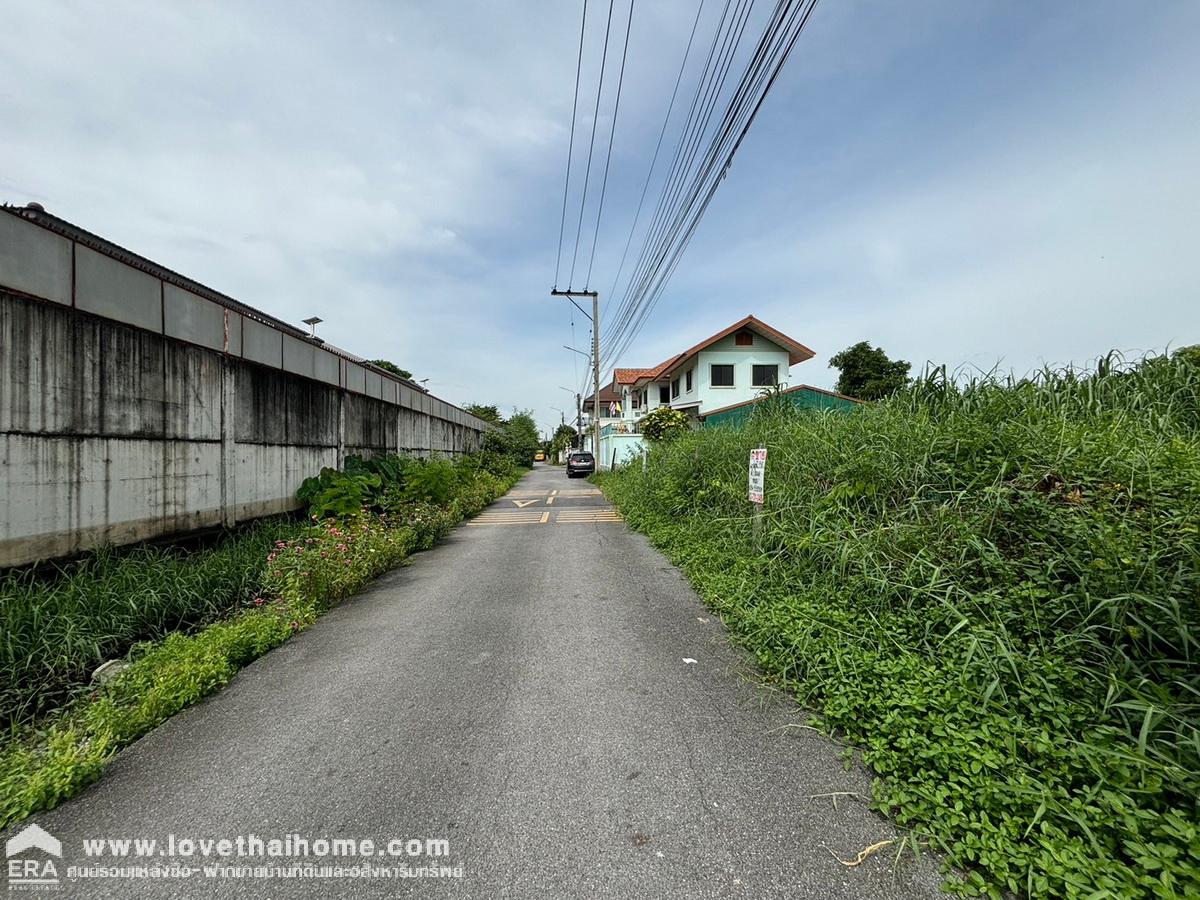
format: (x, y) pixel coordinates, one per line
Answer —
(133, 406)
(618, 449)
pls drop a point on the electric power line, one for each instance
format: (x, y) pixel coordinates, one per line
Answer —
(591, 144)
(654, 159)
(608, 156)
(570, 146)
(665, 246)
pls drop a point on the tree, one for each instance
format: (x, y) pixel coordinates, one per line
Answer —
(867, 373)
(388, 366)
(663, 423)
(564, 436)
(487, 413)
(517, 438)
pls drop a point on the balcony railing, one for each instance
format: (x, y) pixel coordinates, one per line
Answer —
(620, 428)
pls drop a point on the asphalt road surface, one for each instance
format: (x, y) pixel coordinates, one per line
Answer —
(545, 693)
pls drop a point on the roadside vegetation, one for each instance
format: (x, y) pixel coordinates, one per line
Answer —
(991, 591)
(187, 622)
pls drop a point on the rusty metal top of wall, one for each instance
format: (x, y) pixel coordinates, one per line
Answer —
(73, 232)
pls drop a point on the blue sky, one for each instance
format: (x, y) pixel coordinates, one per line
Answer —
(969, 183)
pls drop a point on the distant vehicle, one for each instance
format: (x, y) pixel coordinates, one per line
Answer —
(539, 456)
(580, 462)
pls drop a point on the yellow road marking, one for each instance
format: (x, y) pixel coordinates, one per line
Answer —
(490, 524)
(565, 516)
(523, 503)
(504, 514)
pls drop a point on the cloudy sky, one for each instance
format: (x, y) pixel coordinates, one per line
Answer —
(960, 181)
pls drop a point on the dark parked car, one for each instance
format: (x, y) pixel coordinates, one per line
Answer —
(580, 462)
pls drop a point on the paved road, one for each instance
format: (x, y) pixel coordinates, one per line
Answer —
(524, 691)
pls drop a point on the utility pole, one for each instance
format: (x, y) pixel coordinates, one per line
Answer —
(578, 411)
(595, 317)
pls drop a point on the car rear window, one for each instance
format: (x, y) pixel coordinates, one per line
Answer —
(582, 457)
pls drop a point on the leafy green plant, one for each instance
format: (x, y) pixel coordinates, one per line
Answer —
(990, 589)
(339, 493)
(664, 423)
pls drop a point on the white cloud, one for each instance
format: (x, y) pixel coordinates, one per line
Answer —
(960, 182)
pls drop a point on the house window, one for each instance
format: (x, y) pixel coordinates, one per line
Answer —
(765, 376)
(689, 380)
(721, 374)
(664, 394)
(634, 400)
(674, 388)
(743, 339)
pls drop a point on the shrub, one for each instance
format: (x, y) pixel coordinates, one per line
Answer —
(663, 423)
(991, 590)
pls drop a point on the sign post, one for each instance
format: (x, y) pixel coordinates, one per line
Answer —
(758, 470)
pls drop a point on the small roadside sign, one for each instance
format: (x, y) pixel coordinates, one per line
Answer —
(758, 468)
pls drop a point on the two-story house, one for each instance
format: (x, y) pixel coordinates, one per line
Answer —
(730, 367)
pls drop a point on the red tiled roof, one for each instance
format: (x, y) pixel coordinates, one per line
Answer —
(797, 352)
(642, 375)
(628, 376)
(608, 393)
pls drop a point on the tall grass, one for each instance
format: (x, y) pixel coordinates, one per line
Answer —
(993, 589)
(55, 629)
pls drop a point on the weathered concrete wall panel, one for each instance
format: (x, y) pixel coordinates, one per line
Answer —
(65, 494)
(262, 344)
(269, 475)
(370, 424)
(299, 357)
(156, 406)
(34, 261)
(192, 318)
(109, 288)
(49, 369)
(327, 367)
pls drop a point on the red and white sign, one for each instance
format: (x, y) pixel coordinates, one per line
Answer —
(758, 470)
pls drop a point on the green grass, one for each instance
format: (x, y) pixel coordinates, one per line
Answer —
(264, 586)
(992, 590)
(55, 629)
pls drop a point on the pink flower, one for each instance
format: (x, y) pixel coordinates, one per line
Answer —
(258, 601)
